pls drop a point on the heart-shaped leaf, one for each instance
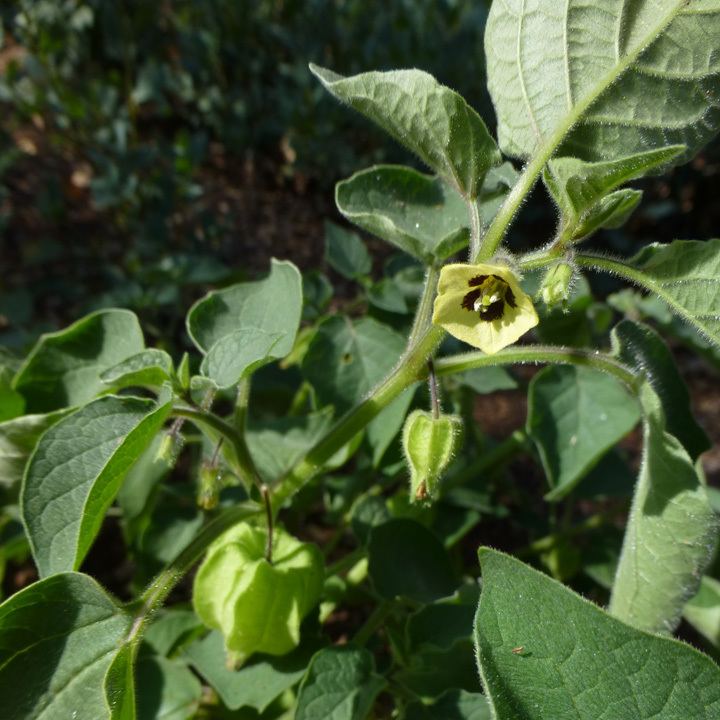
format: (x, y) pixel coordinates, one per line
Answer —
(428, 118)
(546, 653)
(245, 325)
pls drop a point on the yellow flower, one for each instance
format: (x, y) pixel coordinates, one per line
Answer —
(483, 305)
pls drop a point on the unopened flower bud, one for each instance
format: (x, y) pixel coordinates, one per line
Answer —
(556, 284)
(429, 444)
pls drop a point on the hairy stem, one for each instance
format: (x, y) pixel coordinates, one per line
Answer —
(423, 314)
(244, 465)
(410, 369)
(539, 354)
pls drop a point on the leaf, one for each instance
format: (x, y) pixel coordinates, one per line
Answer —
(703, 610)
(641, 348)
(427, 573)
(17, 440)
(575, 415)
(347, 359)
(59, 637)
(487, 380)
(609, 79)
(257, 683)
(546, 653)
(417, 213)
(245, 325)
(149, 368)
(584, 191)
(346, 252)
(64, 367)
(577, 186)
(235, 356)
(385, 426)
(426, 117)
(76, 471)
(340, 684)
(671, 531)
(452, 705)
(277, 444)
(12, 403)
(165, 689)
(684, 274)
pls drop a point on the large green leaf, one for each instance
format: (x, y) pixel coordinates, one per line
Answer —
(76, 471)
(575, 415)
(245, 325)
(671, 531)
(612, 78)
(340, 684)
(347, 359)
(418, 213)
(166, 689)
(64, 367)
(58, 638)
(545, 653)
(428, 118)
(683, 273)
(641, 348)
(18, 437)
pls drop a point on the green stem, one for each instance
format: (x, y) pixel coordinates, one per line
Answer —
(423, 314)
(245, 465)
(496, 232)
(475, 227)
(539, 259)
(374, 622)
(158, 590)
(610, 265)
(538, 354)
(411, 368)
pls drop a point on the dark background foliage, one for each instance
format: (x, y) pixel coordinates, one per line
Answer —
(149, 149)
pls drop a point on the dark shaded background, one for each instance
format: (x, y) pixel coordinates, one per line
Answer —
(150, 149)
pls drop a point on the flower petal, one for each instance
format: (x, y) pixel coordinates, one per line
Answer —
(456, 283)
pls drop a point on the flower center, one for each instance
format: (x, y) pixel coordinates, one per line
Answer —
(488, 298)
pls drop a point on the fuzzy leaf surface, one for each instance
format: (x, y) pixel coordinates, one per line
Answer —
(426, 117)
(65, 367)
(546, 653)
(641, 348)
(417, 213)
(340, 684)
(242, 326)
(611, 79)
(75, 473)
(671, 532)
(58, 639)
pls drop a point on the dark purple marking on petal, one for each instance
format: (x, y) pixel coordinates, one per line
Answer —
(494, 311)
(510, 297)
(469, 300)
(478, 280)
